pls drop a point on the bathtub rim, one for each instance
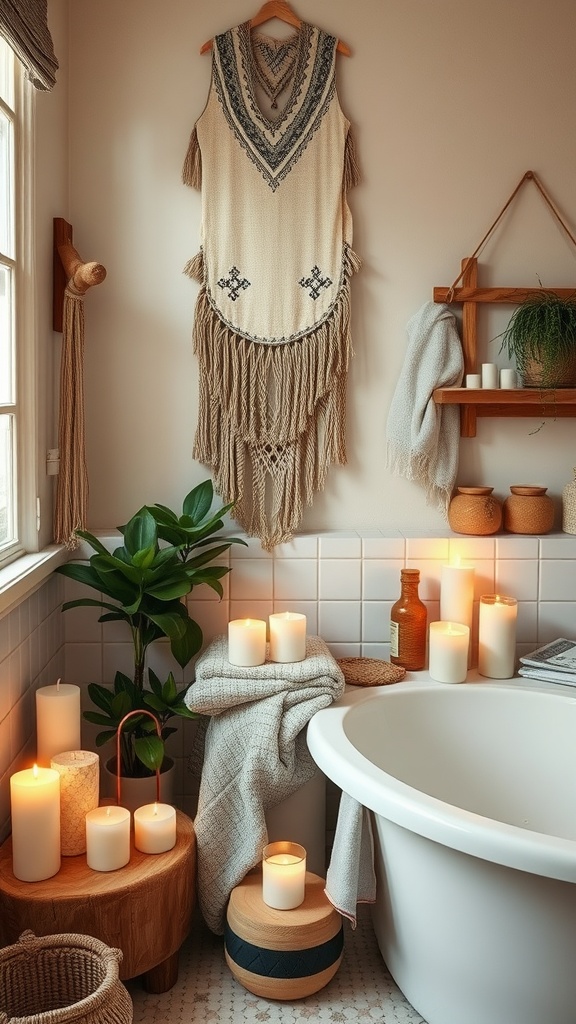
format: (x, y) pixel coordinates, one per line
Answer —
(428, 816)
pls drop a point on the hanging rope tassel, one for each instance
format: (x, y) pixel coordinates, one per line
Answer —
(71, 507)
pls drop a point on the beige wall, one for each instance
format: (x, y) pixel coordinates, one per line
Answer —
(451, 103)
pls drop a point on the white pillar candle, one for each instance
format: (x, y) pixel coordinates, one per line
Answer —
(283, 875)
(79, 772)
(107, 838)
(154, 828)
(508, 378)
(35, 811)
(489, 375)
(247, 642)
(497, 636)
(287, 637)
(448, 651)
(57, 720)
(473, 380)
(457, 593)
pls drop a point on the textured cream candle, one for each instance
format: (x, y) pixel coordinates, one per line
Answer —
(497, 636)
(287, 637)
(35, 812)
(107, 838)
(448, 652)
(283, 875)
(247, 642)
(154, 828)
(57, 720)
(79, 772)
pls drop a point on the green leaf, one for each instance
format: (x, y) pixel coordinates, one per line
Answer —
(140, 532)
(155, 683)
(169, 690)
(185, 647)
(145, 558)
(104, 737)
(150, 751)
(197, 503)
(97, 719)
(100, 696)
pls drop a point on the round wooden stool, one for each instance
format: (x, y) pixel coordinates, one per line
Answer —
(144, 909)
(282, 954)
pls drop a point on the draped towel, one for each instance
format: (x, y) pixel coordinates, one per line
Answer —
(423, 439)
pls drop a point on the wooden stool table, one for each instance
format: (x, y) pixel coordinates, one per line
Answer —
(144, 909)
(282, 954)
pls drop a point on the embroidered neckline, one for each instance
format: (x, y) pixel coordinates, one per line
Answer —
(274, 63)
(274, 145)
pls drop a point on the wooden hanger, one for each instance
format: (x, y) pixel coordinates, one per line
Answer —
(281, 10)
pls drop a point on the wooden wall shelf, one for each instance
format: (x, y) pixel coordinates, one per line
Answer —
(558, 402)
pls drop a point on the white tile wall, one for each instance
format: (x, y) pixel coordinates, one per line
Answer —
(345, 583)
(31, 655)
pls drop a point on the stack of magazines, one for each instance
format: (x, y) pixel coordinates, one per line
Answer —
(554, 662)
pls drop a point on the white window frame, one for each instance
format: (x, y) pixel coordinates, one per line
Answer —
(25, 415)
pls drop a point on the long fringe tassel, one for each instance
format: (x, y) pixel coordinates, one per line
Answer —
(351, 166)
(71, 505)
(192, 169)
(271, 419)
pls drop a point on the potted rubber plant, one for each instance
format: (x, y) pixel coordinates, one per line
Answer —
(541, 338)
(142, 583)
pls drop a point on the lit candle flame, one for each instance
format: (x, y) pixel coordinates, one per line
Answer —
(35, 771)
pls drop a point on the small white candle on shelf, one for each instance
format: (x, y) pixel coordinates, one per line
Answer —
(154, 828)
(508, 378)
(57, 720)
(457, 592)
(448, 651)
(489, 375)
(497, 636)
(283, 875)
(287, 637)
(35, 812)
(473, 380)
(247, 642)
(79, 772)
(107, 838)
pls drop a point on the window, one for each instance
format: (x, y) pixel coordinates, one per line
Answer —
(15, 335)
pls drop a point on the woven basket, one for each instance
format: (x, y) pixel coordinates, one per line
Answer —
(60, 979)
(370, 671)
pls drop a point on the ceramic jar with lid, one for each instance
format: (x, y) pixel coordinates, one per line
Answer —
(569, 506)
(528, 509)
(475, 511)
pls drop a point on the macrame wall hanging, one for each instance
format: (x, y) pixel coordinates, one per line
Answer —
(72, 279)
(273, 156)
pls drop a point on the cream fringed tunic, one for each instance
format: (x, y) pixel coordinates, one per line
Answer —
(272, 319)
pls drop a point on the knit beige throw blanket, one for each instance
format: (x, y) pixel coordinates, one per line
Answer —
(272, 318)
(255, 755)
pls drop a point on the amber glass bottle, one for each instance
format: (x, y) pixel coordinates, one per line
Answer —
(408, 619)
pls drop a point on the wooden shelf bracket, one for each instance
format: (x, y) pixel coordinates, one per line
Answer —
(68, 266)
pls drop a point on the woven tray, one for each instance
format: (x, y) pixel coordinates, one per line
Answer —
(62, 979)
(370, 671)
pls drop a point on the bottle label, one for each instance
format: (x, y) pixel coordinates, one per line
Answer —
(394, 637)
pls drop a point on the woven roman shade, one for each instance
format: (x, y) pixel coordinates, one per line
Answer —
(24, 25)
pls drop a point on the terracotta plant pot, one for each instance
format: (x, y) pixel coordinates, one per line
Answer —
(475, 511)
(528, 509)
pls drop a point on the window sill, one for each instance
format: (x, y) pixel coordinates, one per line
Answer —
(25, 574)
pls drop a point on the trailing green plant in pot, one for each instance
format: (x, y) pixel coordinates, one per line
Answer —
(143, 583)
(541, 338)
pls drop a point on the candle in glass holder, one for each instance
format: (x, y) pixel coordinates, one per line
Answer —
(283, 875)
(497, 636)
(79, 772)
(448, 651)
(154, 828)
(107, 838)
(247, 642)
(287, 637)
(57, 720)
(35, 813)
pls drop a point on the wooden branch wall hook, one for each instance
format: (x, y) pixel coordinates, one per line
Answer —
(68, 265)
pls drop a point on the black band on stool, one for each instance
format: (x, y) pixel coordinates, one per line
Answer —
(281, 963)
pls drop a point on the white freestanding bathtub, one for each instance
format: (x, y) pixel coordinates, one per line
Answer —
(473, 789)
